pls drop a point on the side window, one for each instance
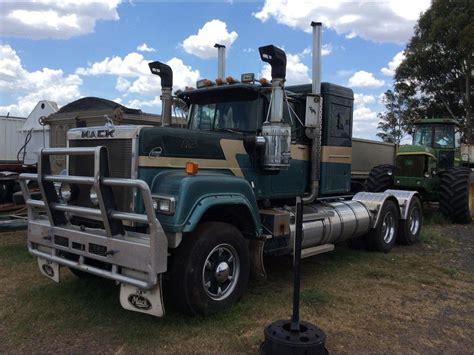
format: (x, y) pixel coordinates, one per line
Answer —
(203, 117)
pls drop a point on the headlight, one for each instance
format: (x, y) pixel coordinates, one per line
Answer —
(427, 174)
(389, 172)
(164, 204)
(65, 191)
(93, 196)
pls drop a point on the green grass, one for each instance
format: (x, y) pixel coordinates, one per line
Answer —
(339, 289)
(314, 296)
(13, 255)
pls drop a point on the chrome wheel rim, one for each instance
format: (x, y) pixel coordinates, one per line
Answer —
(220, 272)
(414, 221)
(388, 227)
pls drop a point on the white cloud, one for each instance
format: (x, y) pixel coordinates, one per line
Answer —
(202, 43)
(54, 19)
(363, 78)
(122, 84)
(361, 99)
(31, 87)
(379, 21)
(144, 48)
(134, 76)
(296, 71)
(365, 123)
(393, 64)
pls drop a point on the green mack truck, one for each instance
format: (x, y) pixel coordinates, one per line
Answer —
(197, 208)
(437, 165)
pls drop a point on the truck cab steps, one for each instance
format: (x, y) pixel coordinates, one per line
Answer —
(306, 253)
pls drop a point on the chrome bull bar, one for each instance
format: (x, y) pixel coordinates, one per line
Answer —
(143, 256)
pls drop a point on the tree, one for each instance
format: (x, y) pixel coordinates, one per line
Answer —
(401, 111)
(437, 69)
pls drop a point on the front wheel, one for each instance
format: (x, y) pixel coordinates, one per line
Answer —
(210, 270)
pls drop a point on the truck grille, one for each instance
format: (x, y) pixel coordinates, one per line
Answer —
(120, 166)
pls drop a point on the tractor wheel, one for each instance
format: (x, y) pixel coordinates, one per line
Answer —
(410, 228)
(383, 236)
(211, 269)
(456, 194)
(380, 178)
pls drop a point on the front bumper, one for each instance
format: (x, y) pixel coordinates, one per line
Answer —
(130, 258)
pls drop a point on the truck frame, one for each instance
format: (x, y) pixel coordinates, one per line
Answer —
(198, 208)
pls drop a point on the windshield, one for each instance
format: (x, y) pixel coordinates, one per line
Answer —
(436, 136)
(230, 116)
(423, 135)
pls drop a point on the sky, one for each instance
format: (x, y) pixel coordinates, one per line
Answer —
(64, 50)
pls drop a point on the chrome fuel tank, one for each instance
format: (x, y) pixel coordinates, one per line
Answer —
(348, 219)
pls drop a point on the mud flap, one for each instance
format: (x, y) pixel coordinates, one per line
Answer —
(49, 269)
(144, 301)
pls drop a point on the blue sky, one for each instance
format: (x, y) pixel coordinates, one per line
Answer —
(61, 51)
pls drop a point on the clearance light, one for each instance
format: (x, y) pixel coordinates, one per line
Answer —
(247, 78)
(191, 168)
(264, 82)
(204, 83)
(231, 80)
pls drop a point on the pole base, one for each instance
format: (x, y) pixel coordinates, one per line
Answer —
(280, 340)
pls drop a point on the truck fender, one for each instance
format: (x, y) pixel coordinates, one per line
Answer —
(208, 202)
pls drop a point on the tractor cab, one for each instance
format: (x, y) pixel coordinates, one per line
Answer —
(442, 136)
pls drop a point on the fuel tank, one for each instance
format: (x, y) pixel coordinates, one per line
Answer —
(333, 222)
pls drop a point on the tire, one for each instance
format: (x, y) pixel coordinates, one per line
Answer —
(382, 238)
(454, 194)
(197, 285)
(379, 178)
(410, 228)
(6, 191)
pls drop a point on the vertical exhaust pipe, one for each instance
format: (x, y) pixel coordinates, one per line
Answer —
(316, 70)
(166, 74)
(314, 105)
(220, 61)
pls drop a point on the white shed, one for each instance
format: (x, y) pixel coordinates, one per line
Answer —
(39, 133)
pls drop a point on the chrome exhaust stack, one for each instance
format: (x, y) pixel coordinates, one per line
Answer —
(313, 117)
(220, 61)
(276, 133)
(166, 74)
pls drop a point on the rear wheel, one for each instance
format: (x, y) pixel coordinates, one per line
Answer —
(456, 194)
(410, 228)
(210, 270)
(382, 237)
(380, 178)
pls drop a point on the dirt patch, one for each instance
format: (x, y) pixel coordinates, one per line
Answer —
(414, 299)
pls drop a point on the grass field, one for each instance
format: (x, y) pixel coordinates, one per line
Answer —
(414, 299)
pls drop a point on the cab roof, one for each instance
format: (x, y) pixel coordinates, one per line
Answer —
(436, 121)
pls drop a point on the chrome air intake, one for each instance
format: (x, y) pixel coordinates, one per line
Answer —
(166, 74)
(276, 133)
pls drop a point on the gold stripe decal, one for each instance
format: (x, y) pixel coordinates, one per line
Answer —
(333, 154)
(300, 152)
(230, 147)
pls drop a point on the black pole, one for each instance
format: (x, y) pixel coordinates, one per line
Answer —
(294, 337)
(295, 319)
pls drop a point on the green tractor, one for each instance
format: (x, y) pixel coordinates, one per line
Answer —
(436, 165)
